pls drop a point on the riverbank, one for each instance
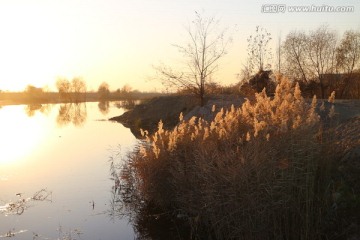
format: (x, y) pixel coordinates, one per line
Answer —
(266, 169)
(147, 115)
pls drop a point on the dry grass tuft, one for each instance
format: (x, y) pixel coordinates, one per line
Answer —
(259, 171)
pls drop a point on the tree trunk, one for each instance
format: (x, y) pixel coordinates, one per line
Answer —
(322, 88)
(202, 93)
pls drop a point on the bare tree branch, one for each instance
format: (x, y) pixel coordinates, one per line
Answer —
(202, 53)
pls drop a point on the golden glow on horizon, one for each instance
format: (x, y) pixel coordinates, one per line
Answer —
(119, 41)
(42, 41)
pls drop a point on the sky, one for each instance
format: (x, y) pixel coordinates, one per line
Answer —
(119, 41)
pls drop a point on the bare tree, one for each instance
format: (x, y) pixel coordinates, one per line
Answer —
(64, 88)
(348, 59)
(126, 89)
(259, 52)
(71, 90)
(311, 58)
(78, 86)
(278, 54)
(202, 53)
(295, 54)
(321, 50)
(103, 91)
(348, 52)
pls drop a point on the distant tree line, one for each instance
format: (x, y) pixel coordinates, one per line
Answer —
(322, 63)
(125, 92)
(317, 60)
(74, 91)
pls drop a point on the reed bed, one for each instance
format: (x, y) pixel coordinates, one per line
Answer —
(259, 171)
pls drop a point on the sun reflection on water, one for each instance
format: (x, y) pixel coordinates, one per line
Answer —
(18, 140)
(64, 149)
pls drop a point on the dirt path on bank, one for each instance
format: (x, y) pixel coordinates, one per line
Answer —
(168, 108)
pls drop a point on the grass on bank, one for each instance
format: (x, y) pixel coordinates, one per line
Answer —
(260, 171)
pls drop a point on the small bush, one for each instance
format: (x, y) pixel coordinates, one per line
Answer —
(259, 171)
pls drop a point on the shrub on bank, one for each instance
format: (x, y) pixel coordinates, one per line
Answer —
(260, 171)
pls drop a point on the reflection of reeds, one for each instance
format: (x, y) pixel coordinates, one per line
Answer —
(69, 235)
(260, 171)
(124, 203)
(116, 201)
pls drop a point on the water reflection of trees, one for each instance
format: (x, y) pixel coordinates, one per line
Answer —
(126, 104)
(74, 113)
(31, 109)
(104, 107)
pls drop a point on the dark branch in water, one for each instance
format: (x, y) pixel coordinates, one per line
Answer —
(22, 204)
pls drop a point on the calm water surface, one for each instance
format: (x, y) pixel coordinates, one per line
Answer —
(64, 151)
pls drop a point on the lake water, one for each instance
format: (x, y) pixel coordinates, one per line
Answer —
(54, 169)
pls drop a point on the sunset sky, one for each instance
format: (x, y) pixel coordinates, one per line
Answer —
(119, 41)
